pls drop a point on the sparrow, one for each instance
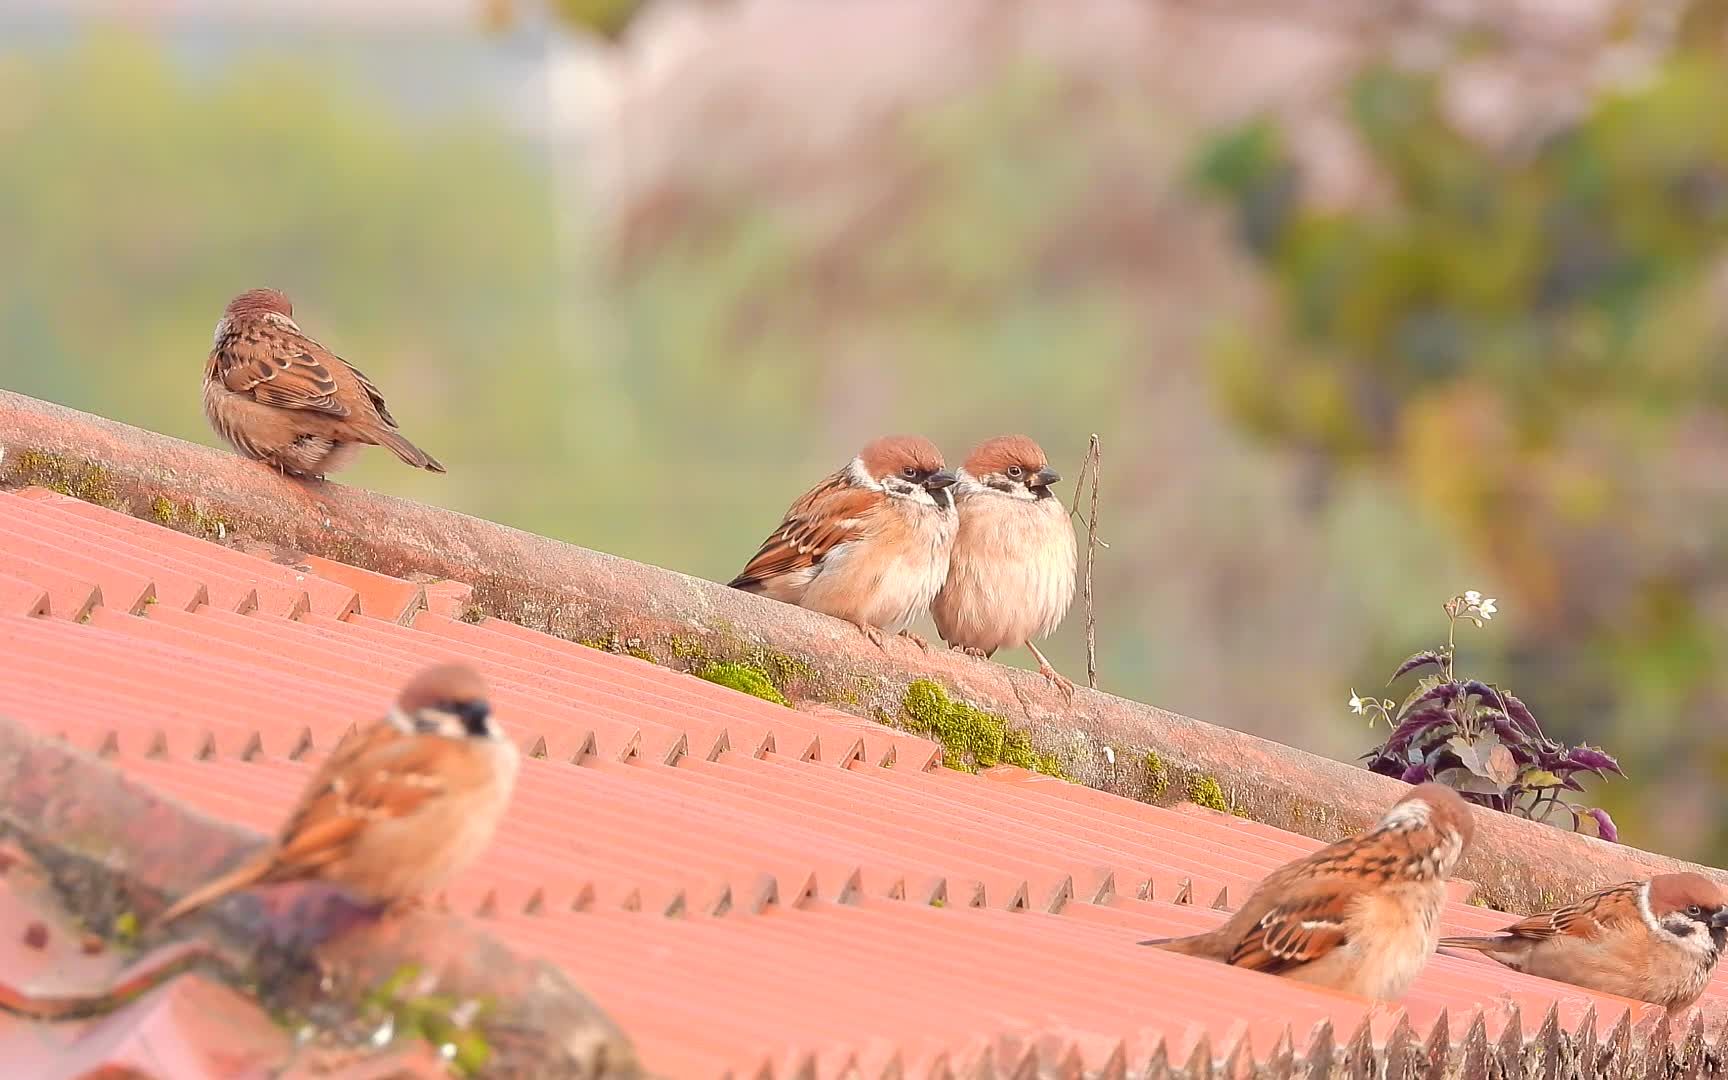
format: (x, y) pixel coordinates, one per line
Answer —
(869, 544)
(1011, 577)
(1361, 915)
(279, 397)
(399, 807)
(1654, 941)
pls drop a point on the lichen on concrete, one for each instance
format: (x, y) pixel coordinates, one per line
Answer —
(79, 479)
(971, 738)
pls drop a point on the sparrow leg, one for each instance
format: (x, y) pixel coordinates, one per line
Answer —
(975, 652)
(915, 639)
(874, 633)
(1057, 680)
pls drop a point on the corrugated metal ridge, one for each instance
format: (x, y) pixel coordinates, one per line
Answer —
(743, 886)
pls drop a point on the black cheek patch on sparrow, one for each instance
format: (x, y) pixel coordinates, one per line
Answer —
(942, 498)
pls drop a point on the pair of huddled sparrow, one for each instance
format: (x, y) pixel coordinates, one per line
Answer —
(398, 808)
(1363, 916)
(986, 549)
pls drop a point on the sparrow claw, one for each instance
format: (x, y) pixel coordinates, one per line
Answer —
(975, 653)
(1062, 683)
(915, 639)
(874, 633)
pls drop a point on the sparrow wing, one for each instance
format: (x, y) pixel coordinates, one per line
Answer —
(832, 513)
(376, 774)
(1587, 918)
(276, 366)
(1299, 929)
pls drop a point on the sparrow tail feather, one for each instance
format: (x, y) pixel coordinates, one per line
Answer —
(1478, 944)
(408, 452)
(247, 873)
(1203, 945)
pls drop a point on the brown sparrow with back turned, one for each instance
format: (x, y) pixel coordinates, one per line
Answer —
(1654, 941)
(869, 544)
(399, 807)
(279, 397)
(1011, 577)
(1361, 915)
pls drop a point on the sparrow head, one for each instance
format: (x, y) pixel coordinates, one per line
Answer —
(1438, 813)
(448, 700)
(254, 304)
(1013, 465)
(261, 302)
(1689, 907)
(906, 467)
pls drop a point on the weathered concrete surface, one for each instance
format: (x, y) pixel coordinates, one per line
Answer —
(676, 619)
(113, 849)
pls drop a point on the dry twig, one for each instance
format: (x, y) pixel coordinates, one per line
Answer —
(1089, 467)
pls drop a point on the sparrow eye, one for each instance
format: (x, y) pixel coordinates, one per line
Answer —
(1016, 471)
(1695, 911)
(909, 473)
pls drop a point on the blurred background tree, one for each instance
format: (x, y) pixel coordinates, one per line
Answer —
(1375, 311)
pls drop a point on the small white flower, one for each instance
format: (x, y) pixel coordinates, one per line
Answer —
(1356, 703)
(1472, 597)
(1486, 608)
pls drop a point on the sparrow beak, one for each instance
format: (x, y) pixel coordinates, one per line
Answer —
(939, 480)
(1719, 919)
(1045, 477)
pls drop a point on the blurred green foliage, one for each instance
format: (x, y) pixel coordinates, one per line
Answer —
(136, 198)
(1530, 343)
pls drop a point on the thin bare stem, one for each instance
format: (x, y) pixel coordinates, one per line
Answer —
(1094, 458)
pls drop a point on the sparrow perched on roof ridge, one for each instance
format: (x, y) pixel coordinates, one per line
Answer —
(1011, 577)
(1361, 915)
(869, 544)
(400, 806)
(1655, 941)
(279, 397)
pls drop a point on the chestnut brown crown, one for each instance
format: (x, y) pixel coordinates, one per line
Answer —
(448, 699)
(261, 302)
(892, 455)
(1672, 893)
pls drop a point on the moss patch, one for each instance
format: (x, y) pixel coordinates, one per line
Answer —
(971, 738)
(610, 642)
(451, 1026)
(744, 679)
(1157, 778)
(1206, 791)
(79, 479)
(188, 518)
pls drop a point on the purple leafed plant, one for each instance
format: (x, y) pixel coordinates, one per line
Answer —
(1480, 740)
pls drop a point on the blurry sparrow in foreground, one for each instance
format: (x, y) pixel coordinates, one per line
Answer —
(1011, 577)
(399, 807)
(279, 397)
(1361, 915)
(1654, 941)
(869, 544)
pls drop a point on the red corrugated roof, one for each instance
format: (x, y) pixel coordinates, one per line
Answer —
(739, 884)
